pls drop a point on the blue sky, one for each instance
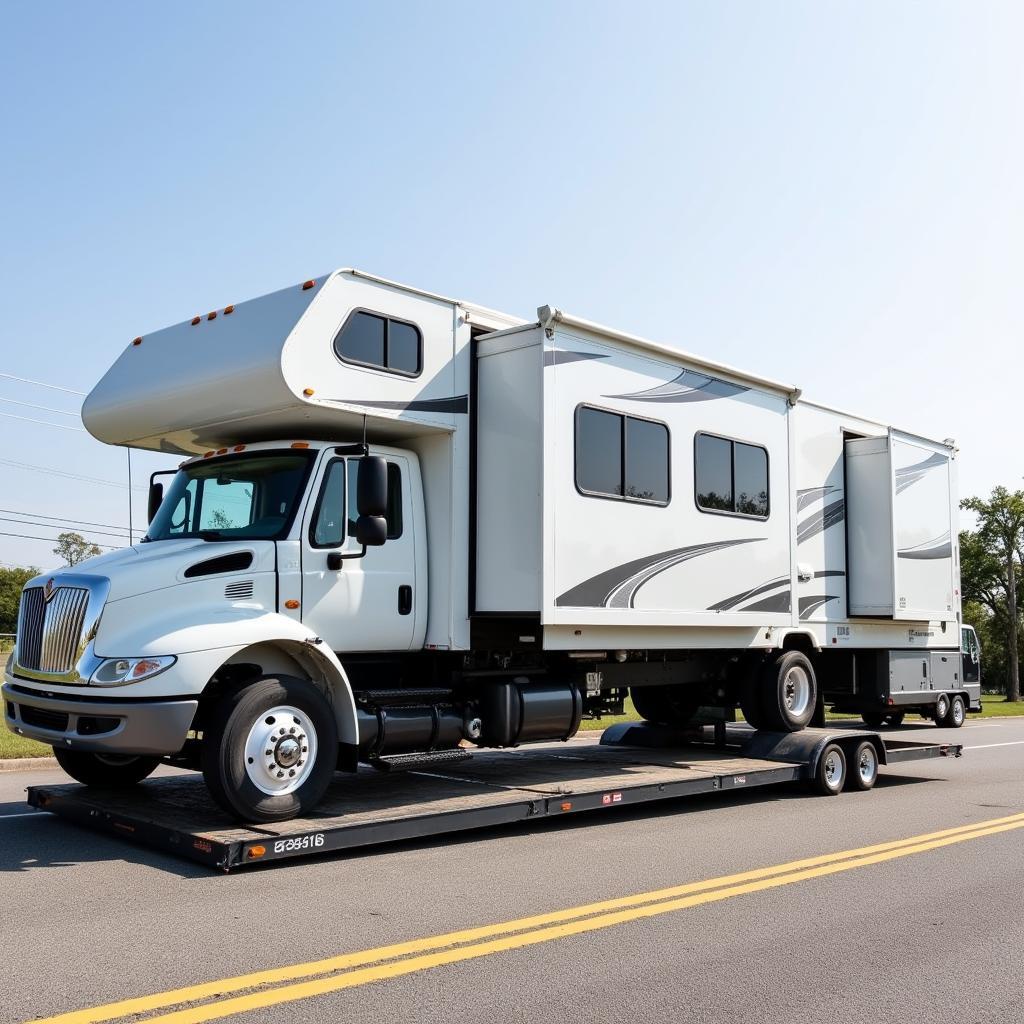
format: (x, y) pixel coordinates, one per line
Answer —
(828, 193)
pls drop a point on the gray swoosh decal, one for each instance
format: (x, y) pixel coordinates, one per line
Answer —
(940, 547)
(617, 587)
(456, 403)
(809, 495)
(813, 603)
(775, 603)
(909, 475)
(689, 386)
(830, 515)
(558, 357)
(731, 602)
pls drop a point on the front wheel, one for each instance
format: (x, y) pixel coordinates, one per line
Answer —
(270, 749)
(873, 719)
(666, 705)
(112, 771)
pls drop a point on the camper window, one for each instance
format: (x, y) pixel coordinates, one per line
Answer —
(730, 477)
(622, 457)
(369, 339)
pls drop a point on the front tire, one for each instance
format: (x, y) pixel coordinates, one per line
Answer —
(666, 705)
(789, 692)
(111, 771)
(270, 749)
(873, 719)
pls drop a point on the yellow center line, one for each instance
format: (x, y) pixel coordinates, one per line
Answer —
(466, 944)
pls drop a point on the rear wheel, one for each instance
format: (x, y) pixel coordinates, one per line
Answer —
(269, 749)
(957, 712)
(113, 771)
(873, 719)
(830, 775)
(895, 720)
(789, 692)
(941, 710)
(864, 771)
(666, 705)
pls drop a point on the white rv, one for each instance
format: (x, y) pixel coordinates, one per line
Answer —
(403, 522)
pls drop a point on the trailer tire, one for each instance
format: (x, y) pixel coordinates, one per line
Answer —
(269, 749)
(957, 712)
(830, 773)
(111, 771)
(789, 692)
(666, 705)
(941, 711)
(864, 767)
(873, 719)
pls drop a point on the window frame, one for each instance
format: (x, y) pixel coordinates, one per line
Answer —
(623, 416)
(732, 477)
(321, 493)
(388, 320)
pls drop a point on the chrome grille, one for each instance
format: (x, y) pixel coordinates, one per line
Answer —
(50, 632)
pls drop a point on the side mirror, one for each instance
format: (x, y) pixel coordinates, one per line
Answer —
(371, 531)
(372, 487)
(156, 496)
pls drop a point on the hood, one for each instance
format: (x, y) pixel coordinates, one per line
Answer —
(156, 565)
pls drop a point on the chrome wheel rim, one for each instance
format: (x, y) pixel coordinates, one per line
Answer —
(867, 764)
(280, 750)
(796, 691)
(941, 707)
(833, 769)
(958, 712)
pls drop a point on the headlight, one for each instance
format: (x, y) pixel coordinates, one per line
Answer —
(120, 671)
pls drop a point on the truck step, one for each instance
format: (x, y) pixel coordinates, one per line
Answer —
(409, 762)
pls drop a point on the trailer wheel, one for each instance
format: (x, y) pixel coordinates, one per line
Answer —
(864, 773)
(941, 711)
(666, 705)
(895, 720)
(789, 692)
(830, 775)
(113, 771)
(270, 749)
(957, 712)
(873, 719)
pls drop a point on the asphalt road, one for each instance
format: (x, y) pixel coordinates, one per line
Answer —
(935, 933)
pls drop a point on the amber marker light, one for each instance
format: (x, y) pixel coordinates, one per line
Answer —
(137, 341)
(196, 320)
(239, 448)
(222, 451)
(206, 455)
(211, 316)
(308, 392)
(256, 851)
(291, 604)
(228, 310)
(306, 285)
(300, 444)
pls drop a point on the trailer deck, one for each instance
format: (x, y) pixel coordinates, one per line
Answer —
(630, 764)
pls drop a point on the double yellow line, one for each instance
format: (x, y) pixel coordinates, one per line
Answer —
(206, 1002)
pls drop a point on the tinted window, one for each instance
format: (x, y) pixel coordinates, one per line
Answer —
(394, 511)
(621, 456)
(379, 341)
(713, 472)
(646, 460)
(329, 527)
(730, 476)
(750, 465)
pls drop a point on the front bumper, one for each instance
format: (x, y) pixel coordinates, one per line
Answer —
(103, 725)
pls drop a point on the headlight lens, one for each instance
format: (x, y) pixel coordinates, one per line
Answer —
(121, 671)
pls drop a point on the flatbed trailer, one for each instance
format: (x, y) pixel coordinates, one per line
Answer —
(630, 764)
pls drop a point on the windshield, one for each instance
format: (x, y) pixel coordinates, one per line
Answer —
(241, 497)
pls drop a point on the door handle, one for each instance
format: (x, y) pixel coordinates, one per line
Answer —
(404, 599)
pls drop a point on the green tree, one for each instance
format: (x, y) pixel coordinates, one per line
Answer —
(11, 582)
(74, 548)
(990, 568)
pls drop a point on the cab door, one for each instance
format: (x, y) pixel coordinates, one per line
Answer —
(359, 603)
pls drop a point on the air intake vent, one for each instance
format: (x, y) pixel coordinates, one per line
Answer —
(240, 591)
(238, 561)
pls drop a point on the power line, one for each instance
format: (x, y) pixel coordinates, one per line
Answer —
(29, 536)
(42, 423)
(64, 473)
(41, 384)
(41, 408)
(57, 526)
(64, 519)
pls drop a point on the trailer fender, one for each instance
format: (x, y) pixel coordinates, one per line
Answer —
(313, 660)
(808, 745)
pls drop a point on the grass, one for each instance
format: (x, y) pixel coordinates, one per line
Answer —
(17, 746)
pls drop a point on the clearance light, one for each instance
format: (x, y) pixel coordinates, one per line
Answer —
(308, 392)
(137, 341)
(211, 316)
(256, 851)
(228, 310)
(206, 455)
(300, 444)
(239, 448)
(196, 320)
(307, 285)
(291, 604)
(222, 451)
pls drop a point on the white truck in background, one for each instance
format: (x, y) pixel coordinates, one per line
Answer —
(405, 524)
